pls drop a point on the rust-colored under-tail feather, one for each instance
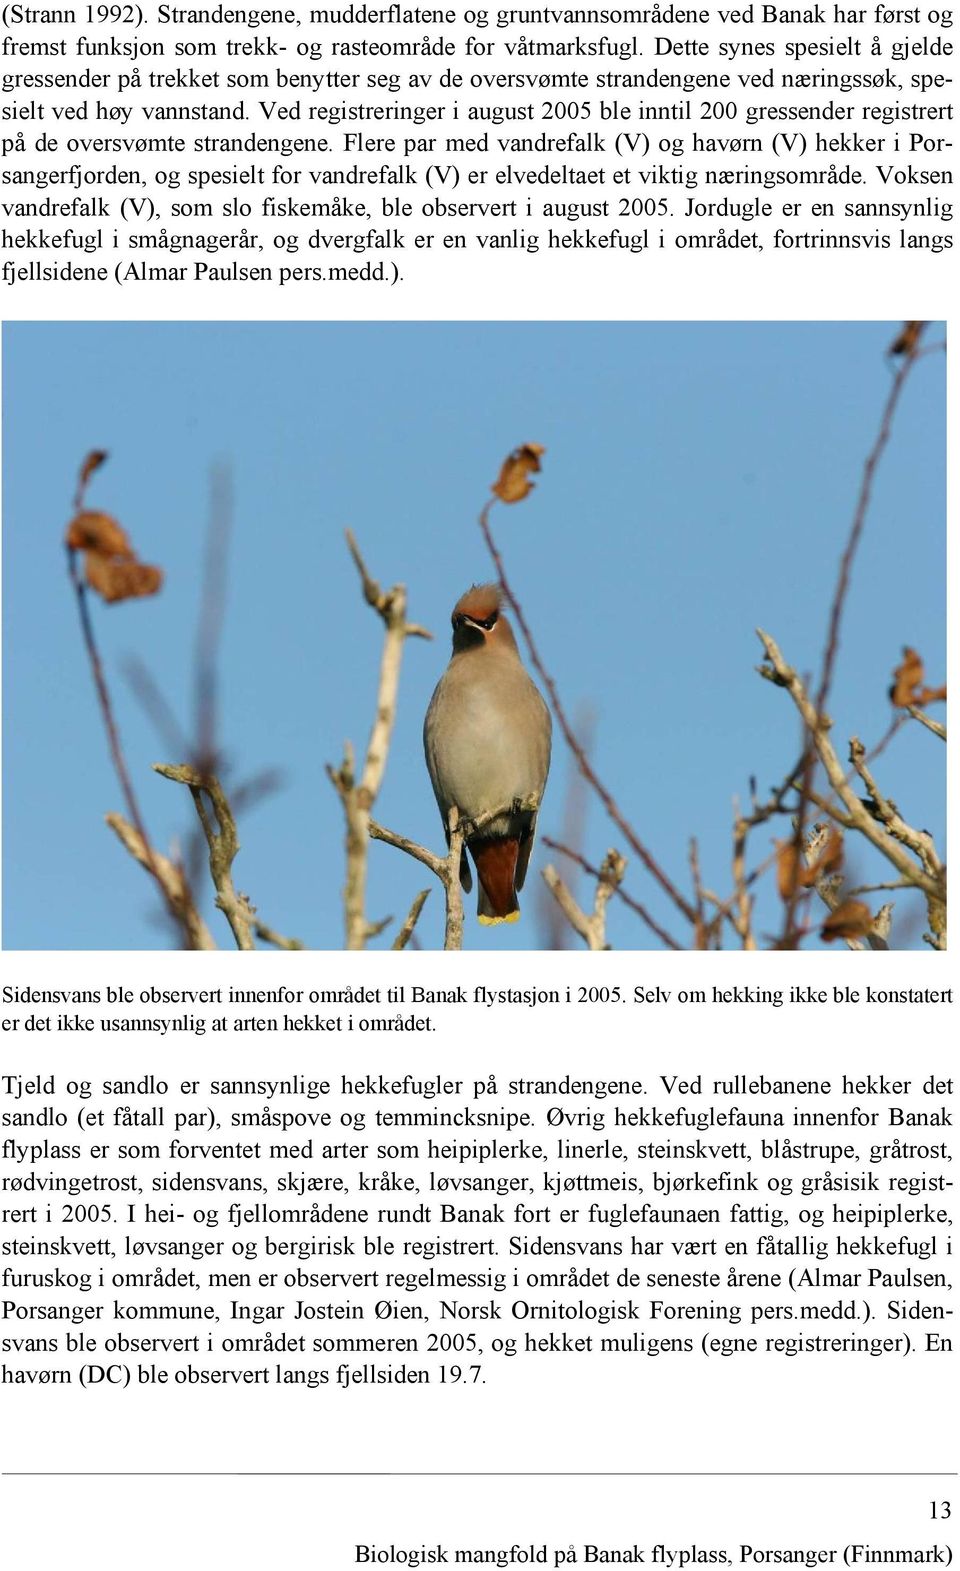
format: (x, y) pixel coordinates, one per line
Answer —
(496, 862)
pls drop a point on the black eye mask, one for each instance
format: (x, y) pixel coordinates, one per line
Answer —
(474, 621)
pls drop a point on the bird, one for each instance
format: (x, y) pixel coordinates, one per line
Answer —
(486, 738)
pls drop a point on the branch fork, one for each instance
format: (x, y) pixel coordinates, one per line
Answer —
(358, 791)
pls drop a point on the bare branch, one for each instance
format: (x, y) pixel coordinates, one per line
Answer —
(175, 887)
(555, 928)
(436, 864)
(737, 909)
(154, 704)
(453, 925)
(383, 601)
(359, 795)
(927, 720)
(727, 910)
(909, 348)
(916, 839)
(213, 601)
(222, 844)
(593, 928)
(150, 857)
(270, 936)
(628, 900)
(883, 827)
(701, 929)
(860, 517)
(872, 889)
(829, 887)
(446, 868)
(578, 919)
(742, 904)
(858, 817)
(410, 921)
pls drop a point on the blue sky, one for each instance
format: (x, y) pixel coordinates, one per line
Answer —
(699, 480)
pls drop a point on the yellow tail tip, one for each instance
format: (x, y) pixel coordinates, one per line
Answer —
(494, 921)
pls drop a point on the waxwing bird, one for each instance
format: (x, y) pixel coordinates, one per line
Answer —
(487, 742)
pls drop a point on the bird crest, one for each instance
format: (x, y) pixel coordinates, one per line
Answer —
(479, 603)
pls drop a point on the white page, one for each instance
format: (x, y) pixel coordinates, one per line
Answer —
(617, 1368)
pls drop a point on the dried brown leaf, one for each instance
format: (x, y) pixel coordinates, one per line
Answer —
(791, 877)
(909, 688)
(110, 563)
(98, 532)
(907, 677)
(90, 464)
(852, 919)
(121, 578)
(514, 481)
(787, 869)
(830, 858)
(907, 339)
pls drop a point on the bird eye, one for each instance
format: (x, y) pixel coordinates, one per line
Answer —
(491, 622)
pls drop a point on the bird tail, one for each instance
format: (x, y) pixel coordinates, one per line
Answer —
(496, 862)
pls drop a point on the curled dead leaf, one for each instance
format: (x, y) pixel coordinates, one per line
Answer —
(110, 563)
(907, 677)
(909, 689)
(90, 464)
(790, 877)
(831, 857)
(907, 339)
(121, 578)
(514, 482)
(787, 869)
(851, 919)
(98, 532)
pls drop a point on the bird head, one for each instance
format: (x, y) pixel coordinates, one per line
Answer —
(478, 621)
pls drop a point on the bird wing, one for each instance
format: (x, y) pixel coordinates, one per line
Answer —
(526, 846)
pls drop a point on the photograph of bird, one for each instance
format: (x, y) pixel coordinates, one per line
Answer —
(487, 742)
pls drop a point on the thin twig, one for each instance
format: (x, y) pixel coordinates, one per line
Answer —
(573, 819)
(838, 602)
(410, 921)
(927, 720)
(917, 840)
(270, 936)
(621, 893)
(856, 528)
(150, 857)
(895, 725)
(447, 868)
(358, 795)
(701, 930)
(884, 829)
(213, 600)
(731, 910)
(106, 710)
(830, 888)
(741, 897)
(222, 844)
(436, 864)
(873, 889)
(737, 909)
(171, 878)
(155, 706)
(593, 928)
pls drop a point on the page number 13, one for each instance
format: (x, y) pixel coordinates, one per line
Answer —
(940, 1510)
